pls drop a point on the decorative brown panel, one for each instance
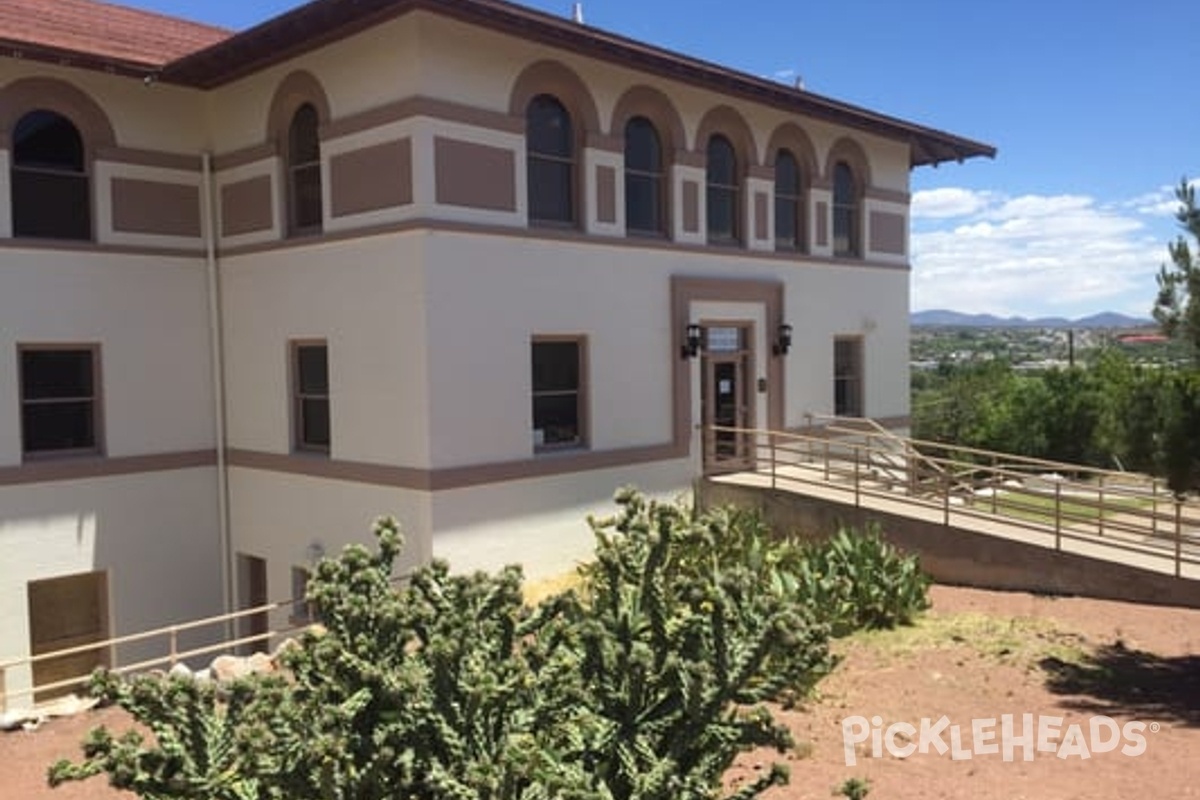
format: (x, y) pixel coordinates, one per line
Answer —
(375, 177)
(474, 175)
(246, 206)
(154, 207)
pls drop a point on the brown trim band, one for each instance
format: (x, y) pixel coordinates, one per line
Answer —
(149, 158)
(422, 106)
(429, 480)
(75, 469)
(99, 248)
(887, 195)
(604, 142)
(247, 155)
(548, 233)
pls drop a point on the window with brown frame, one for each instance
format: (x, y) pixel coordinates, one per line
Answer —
(550, 161)
(304, 172)
(643, 177)
(310, 396)
(60, 404)
(559, 401)
(722, 192)
(789, 203)
(848, 376)
(845, 211)
(50, 187)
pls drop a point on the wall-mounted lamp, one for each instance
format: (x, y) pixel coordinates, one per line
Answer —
(691, 342)
(783, 339)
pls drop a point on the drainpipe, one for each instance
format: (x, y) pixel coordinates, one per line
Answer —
(218, 384)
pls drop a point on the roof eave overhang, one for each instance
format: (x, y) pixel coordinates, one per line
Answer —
(129, 68)
(322, 22)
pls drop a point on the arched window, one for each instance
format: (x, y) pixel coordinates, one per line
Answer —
(304, 172)
(845, 211)
(789, 203)
(722, 195)
(50, 191)
(550, 161)
(643, 177)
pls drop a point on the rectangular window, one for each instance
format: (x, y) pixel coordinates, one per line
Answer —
(787, 236)
(722, 210)
(643, 202)
(845, 230)
(59, 400)
(310, 400)
(558, 393)
(550, 189)
(848, 376)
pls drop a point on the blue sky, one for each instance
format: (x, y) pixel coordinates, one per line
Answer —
(1091, 104)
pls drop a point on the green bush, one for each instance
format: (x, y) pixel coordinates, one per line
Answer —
(644, 683)
(857, 580)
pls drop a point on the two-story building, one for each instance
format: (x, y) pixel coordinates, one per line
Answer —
(458, 261)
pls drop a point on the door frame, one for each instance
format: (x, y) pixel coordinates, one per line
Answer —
(744, 361)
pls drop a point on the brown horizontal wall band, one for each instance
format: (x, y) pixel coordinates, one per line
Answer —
(74, 469)
(561, 235)
(449, 477)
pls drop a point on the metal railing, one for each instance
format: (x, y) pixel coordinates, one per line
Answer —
(166, 639)
(864, 465)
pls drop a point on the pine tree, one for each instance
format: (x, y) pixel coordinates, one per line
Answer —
(1177, 307)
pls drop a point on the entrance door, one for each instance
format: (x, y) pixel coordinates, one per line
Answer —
(252, 593)
(725, 398)
(70, 611)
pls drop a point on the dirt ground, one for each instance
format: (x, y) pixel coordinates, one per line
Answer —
(978, 655)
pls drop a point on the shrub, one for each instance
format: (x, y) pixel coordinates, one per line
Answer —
(682, 646)
(643, 685)
(857, 580)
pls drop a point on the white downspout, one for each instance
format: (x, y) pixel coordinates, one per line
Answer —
(216, 347)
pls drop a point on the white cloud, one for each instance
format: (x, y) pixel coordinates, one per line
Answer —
(1032, 255)
(1159, 203)
(946, 203)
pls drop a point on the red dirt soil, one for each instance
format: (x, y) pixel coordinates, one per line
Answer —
(1130, 663)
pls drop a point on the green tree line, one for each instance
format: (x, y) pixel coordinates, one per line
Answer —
(1109, 414)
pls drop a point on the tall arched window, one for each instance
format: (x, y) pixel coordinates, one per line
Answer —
(643, 177)
(722, 192)
(50, 188)
(789, 203)
(550, 161)
(845, 211)
(304, 172)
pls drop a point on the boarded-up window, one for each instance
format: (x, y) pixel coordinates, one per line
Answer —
(64, 613)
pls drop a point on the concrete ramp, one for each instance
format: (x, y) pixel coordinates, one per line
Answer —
(991, 553)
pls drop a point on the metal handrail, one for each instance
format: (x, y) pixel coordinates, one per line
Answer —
(1109, 511)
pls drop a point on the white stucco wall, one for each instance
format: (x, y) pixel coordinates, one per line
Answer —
(150, 317)
(155, 534)
(280, 518)
(367, 299)
(541, 524)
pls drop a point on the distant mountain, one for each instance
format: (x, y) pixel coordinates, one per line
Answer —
(955, 319)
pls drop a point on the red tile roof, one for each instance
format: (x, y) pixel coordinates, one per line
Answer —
(88, 29)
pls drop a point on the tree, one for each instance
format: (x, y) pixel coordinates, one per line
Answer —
(1177, 307)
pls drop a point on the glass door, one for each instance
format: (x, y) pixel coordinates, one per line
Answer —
(726, 399)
